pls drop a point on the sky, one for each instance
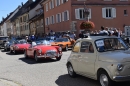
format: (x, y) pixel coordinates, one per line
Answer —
(7, 6)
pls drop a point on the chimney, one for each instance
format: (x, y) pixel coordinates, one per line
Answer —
(3, 18)
(30, 1)
(22, 3)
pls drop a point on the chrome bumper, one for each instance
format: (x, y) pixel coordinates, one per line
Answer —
(121, 78)
(50, 56)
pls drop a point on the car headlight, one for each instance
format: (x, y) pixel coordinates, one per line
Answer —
(60, 49)
(120, 67)
(40, 51)
(16, 47)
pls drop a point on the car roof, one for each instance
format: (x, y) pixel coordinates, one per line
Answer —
(93, 38)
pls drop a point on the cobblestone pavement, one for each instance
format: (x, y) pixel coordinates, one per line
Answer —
(26, 72)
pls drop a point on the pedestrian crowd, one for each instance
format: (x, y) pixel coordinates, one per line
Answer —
(105, 31)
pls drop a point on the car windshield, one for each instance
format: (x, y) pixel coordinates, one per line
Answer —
(42, 42)
(3, 38)
(61, 40)
(110, 44)
(20, 42)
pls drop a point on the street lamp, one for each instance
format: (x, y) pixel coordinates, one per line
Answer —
(86, 12)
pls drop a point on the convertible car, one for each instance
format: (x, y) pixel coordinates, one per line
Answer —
(19, 46)
(44, 50)
(64, 43)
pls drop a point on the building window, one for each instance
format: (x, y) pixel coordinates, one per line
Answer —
(65, 16)
(51, 4)
(47, 21)
(57, 2)
(58, 18)
(64, 1)
(47, 7)
(108, 12)
(79, 13)
(52, 19)
(125, 12)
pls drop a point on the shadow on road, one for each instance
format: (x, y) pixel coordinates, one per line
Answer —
(8, 53)
(66, 80)
(32, 61)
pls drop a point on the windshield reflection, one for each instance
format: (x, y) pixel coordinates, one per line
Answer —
(110, 44)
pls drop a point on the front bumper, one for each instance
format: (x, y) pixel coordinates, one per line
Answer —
(121, 78)
(49, 56)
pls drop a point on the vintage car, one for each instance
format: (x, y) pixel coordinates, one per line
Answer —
(8, 44)
(43, 50)
(103, 58)
(64, 43)
(3, 40)
(19, 46)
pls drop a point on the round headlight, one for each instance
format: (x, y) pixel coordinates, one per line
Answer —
(40, 51)
(60, 49)
(120, 67)
(16, 47)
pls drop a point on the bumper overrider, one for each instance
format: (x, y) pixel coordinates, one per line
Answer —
(50, 54)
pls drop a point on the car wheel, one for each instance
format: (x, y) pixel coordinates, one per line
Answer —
(66, 48)
(11, 51)
(58, 58)
(36, 58)
(5, 49)
(15, 52)
(71, 70)
(104, 79)
(25, 54)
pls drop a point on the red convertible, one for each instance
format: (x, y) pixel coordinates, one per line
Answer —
(19, 46)
(44, 50)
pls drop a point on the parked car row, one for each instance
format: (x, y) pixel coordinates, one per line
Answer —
(102, 58)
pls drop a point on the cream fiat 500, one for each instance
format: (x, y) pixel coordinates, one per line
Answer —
(103, 58)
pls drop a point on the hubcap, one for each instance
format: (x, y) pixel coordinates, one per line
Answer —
(25, 54)
(103, 80)
(66, 48)
(70, 70)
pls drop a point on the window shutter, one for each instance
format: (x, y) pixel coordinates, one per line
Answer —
(90, 14)
(77, 13)
(62, 16)
(61, 1)
(104, 12)
(50, 5)
(50, 20)
(114, 12)
(67, 15)
(56, 18)
(56, 2)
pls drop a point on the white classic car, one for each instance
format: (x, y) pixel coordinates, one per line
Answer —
(103, 58)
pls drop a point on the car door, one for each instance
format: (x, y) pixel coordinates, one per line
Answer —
(86, 58)
(74, 55)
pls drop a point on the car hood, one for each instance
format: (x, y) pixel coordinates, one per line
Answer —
(45, 48)
(22, 45)
(57, 43)
(115, 56)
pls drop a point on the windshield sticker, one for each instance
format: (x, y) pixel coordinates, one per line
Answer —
(99, 43)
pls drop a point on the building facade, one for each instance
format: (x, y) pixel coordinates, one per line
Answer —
(66, 15)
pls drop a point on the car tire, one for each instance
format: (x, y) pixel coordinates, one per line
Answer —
(66, 48)
(35, 57)
(25, 54)
(104, 79)
(5, 49)
(11, 51)
(15, 52)
(58, 58)
(71, 71)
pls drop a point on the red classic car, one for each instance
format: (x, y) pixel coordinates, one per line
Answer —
(19, 46)
(43, 49)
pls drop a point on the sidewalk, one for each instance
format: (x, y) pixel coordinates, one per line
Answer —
(4, 82)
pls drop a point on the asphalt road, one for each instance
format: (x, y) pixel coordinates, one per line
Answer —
(26, 72)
